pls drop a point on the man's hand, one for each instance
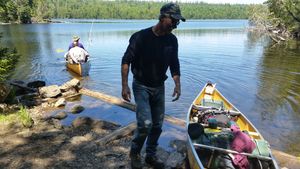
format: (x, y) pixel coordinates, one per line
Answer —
(125, 88)
(126, 94)
(176, 93)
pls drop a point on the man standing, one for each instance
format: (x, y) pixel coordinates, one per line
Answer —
(150, 52)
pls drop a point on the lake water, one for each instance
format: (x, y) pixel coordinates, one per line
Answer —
(260, 79)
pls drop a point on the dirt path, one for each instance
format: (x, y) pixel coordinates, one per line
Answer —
(48, 144)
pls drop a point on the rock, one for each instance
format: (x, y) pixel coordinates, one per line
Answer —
(25, 133)
(97, 124)
(36, 84)
(56, 123)
(70, 92)
(29, 103)
(94, 124)
(61, 138)
(45, 104)
(5, 108)
(4, 91)
(50, 91)
(76, 140)
(82, 121)
(19, 87)
(77, 109)
(178, 145)
(60, 115)
(90, 145)
(60, 102)
(175, 160)
(162, 154)
(74, 83)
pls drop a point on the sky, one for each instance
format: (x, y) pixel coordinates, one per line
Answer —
(235, 1)
(222, 1)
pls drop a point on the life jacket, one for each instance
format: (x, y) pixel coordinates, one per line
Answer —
(78, 54)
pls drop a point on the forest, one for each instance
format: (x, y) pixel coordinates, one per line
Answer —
(27, 11)
(278, 15)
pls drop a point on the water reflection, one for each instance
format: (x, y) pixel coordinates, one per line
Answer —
(278, 99)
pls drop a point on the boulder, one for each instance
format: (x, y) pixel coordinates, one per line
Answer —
(175, 160)
(179, 146)
(77, 109)
(50, 91)
(74, 83)
(82, 121)
(36, 84)
(4, 91)
(60, 102)
(60, 115)
(5, 108)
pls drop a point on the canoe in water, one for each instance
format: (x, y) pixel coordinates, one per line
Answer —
(212, 125)
(81, 69)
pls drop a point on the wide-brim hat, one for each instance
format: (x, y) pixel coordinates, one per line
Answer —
(172, 9)
(76, 38)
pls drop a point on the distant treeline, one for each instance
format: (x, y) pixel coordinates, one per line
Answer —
(25, 11)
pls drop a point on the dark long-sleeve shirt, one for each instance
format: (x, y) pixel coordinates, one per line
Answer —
(151, 55)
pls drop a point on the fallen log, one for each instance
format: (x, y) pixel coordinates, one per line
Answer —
(23, 87)
(125, 104)
(108, 98)
(119, 133)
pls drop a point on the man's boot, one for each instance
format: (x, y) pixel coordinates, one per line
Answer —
(136, 161)
(154, 162)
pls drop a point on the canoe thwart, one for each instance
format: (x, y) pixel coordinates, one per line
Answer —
(232, 151)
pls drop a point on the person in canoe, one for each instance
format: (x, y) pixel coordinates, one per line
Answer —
(75, 42)
(76, 53)
(150, 53)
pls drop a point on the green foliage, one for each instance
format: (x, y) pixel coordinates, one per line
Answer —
(259, 16)
(22, 116)
(12, 12)
(24, 14)
(8, 59)
(3, 11)
(25, 118)
(143, 10)
(16, 11)
(24, 11)
(8, 118)
(285, 13)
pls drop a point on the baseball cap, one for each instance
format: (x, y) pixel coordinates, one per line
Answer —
(172, 9)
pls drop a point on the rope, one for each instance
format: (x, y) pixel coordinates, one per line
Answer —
(90, 34)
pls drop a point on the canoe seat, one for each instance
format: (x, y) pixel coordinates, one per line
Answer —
(212, 103)
(208, 92)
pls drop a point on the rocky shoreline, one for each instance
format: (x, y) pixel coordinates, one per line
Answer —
(50, 144)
